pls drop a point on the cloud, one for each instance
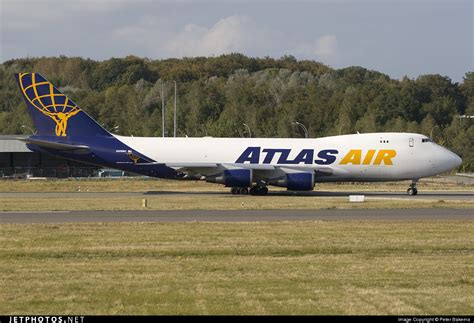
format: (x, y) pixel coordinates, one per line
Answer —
(231, 34)
(326, 46)
(242, 34)
(323, 48)
(154, 29)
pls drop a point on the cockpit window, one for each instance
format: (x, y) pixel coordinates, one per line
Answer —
(426, 140)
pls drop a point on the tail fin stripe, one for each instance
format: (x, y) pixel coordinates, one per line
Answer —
(33, 84)
(49, 96)
(52, 95)
(65, 104)
(58, 106)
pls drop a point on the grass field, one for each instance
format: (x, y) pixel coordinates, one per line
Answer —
(155, 191)
(311, 267)
(341, 267)
(213, 202)
(154, 185)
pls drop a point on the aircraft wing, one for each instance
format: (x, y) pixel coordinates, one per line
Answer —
(193, 169)
(191, 165)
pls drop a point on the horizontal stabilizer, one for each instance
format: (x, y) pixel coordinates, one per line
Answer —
(56, 145)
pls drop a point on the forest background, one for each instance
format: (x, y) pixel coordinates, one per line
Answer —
(216, 96)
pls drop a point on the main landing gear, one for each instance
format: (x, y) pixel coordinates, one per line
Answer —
(254, 190)
(239, 190)
(412, 189)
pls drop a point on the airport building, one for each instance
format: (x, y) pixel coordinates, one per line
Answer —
(17, 161)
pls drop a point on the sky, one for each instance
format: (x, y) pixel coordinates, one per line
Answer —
(398, 38)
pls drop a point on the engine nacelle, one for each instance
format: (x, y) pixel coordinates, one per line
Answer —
(232, 178)
(299, 181)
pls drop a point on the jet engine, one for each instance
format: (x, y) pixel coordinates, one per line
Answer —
(298, 181)
(232, 178)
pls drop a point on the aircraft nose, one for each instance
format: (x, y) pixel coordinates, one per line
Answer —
(445, 159)
(454, 160)
(450, 159)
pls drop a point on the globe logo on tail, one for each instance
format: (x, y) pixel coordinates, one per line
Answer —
(43, 96)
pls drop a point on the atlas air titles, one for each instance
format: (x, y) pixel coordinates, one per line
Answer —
(259, 155)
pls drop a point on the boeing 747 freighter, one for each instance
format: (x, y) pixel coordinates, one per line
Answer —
(247, 165)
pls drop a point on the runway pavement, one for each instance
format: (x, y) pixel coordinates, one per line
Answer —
(430, 195)
(240, 215)
(237, 215)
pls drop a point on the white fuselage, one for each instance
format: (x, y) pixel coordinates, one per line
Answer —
(359, 157)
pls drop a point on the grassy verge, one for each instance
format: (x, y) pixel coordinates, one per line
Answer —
(341, 267)
(145, 185)
(159, 201)
(212, 202)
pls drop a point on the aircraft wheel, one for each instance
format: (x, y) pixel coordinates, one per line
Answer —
(254, 190)
(259, 190)
(412, 191)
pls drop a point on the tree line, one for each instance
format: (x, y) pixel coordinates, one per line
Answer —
(218, 95)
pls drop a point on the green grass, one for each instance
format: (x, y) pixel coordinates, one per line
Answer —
(144, 185)
(132, 193)
(212, 202)
(313, 267)
(340, 267)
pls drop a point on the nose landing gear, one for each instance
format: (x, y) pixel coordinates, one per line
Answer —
(412, 190)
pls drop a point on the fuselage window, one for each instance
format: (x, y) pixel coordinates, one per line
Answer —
(411, 141)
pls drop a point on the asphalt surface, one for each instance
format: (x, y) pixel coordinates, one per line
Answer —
(430, 195)
(240, 215)
(237, 215)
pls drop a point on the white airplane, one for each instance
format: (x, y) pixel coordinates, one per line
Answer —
(247, 165)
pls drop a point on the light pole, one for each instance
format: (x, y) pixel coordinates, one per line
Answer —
(162, 110)
(302, 126)
(175, 91)
(205, 130)
(431, 132)
(33, 132)
(250, 132)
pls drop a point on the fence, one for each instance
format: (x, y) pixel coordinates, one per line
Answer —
(465, 178)
(54, 172)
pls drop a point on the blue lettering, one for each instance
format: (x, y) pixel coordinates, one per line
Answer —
(251, 155)
(327, 157)
(284, 156)
(305, 156)
(269, 156)
(271, 153)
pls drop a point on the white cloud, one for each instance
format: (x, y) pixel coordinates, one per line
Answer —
(232, 34)
(326, 46)
(117, 28)
(323, 49)
(242, 34)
